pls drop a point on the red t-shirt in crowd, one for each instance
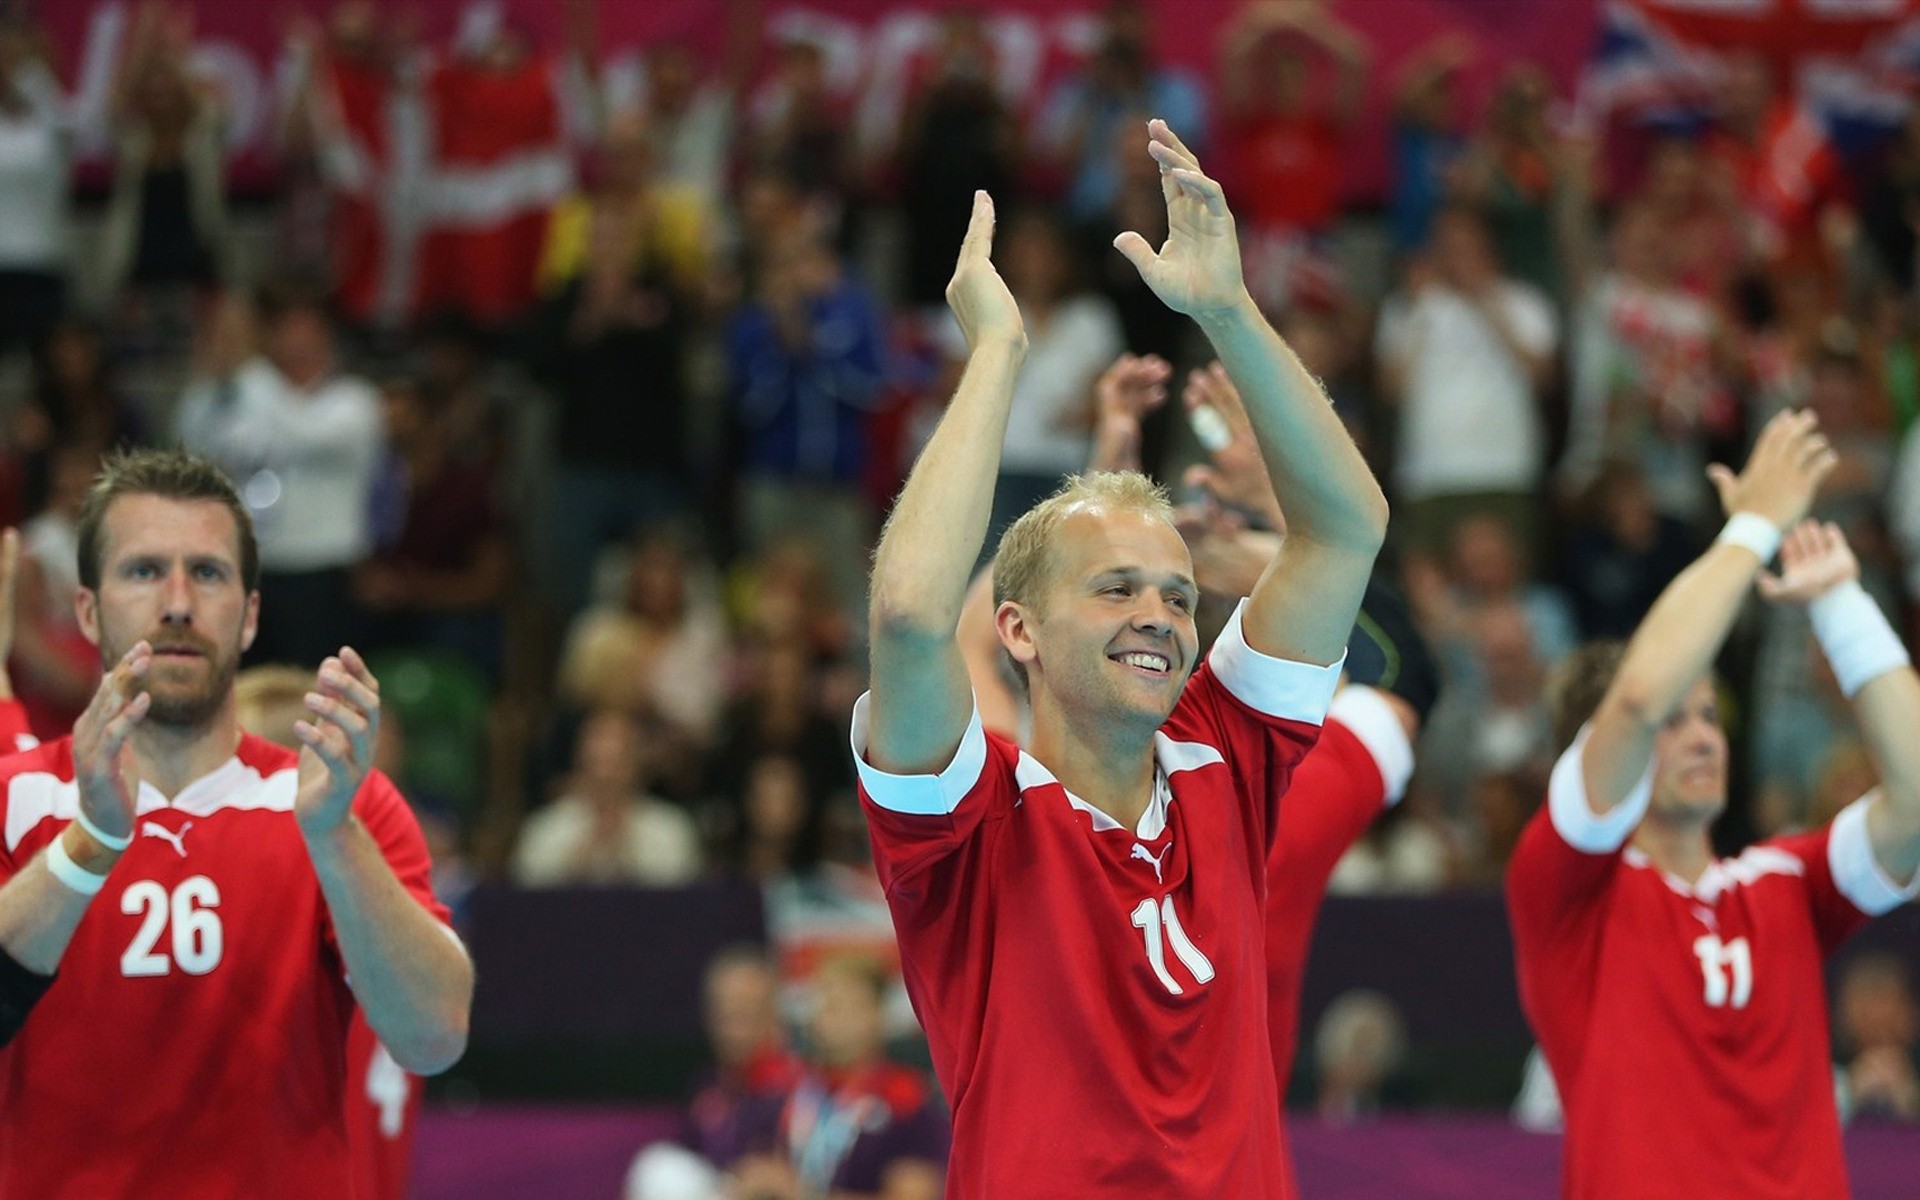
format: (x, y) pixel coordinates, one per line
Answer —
(1686, 1025)
(1287, 166)
(1361, 764)
(193, 1044)
(1094, 997)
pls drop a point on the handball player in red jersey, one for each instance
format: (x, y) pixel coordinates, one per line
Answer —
(1364, 758)
(1082, 925)
(211, 906)
(1678, 996)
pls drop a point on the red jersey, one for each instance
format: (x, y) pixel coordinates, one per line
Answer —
(1289, 168)
(193, 1042)
(1361, 765)
(383, 1115)
(16, 732)
(1687, 1025)
(1095, 997)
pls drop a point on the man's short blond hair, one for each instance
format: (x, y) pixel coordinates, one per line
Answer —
(1022, 563)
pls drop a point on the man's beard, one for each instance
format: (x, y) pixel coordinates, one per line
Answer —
(175, 709)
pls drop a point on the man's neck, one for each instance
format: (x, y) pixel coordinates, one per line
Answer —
(1682, 849)
(1110, 768)
(169, 757)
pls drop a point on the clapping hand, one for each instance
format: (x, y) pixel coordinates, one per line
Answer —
(977, 295)
(1197, 271)
(1814, 559)
(1237, 477)
(1784, 472)
(337, 742)
(1125, 393)
(102, 756)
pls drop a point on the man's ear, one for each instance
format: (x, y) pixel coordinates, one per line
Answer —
(1015, 623)
(250, 627)
(86, 610)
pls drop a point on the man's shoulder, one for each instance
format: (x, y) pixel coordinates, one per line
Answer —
(53, 760)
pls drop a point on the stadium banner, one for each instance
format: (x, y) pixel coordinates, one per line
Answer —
(873, 50)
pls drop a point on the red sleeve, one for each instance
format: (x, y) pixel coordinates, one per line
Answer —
(1845, 883)
(15, 733)
(388, 817)
(917, 820)
(1337, 791)
(1557, 893)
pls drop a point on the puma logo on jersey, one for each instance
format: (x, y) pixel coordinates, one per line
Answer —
(178, 840)
(1146, 855)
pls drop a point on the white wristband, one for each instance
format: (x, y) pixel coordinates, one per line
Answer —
(1854, 635)
(62, 867)
(1752, 531)
(94, 831)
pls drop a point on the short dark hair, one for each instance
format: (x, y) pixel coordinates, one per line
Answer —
(1576, 686)
(172, 474)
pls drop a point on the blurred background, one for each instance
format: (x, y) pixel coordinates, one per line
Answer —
(611, 326)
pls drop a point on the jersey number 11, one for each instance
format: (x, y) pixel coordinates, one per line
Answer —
(1162, 927)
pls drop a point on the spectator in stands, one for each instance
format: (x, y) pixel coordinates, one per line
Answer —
(1485, 569)
(1084, 116)
(855, 1126)
(439, 574)
(35, 148)
(777, 710)
(690, 121)
(956, 135)
(1651, 365)
(804, 365)
(75, 401)
(623, 271)
(1465, 353)
(801, 126)
(657, 650)
(1492, 718)
(1282, 133)
(55, 668)
(1877, 1031)
(1427, 140)
(1361, 1043)
(302, 439)
(776, 820)
(1515, 171)
(605, 829)
(1619, 553)
(166, 223)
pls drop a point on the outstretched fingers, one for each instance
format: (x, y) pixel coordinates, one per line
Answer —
(977, 246)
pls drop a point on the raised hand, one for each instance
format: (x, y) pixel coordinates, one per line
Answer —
(1197, 271)
(1124, 394)
(102, 757)
(337, 742)
(1783, 474)
(977, 295)
(1814, 559)
(1236, 475)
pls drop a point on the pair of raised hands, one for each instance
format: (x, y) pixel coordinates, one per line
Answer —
(1196, 271)
(1790, 460)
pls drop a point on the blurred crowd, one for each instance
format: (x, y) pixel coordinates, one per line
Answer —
(592, 472)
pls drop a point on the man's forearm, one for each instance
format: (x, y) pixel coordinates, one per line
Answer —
(927, 552)
(39, 913)
(413, 980)
(1324, 485)
(1682, 633)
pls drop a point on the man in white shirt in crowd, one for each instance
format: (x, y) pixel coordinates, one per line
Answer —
(1465, 353)
(302, 440)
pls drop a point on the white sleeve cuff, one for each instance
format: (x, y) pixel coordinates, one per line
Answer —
(920, 795)
(1365, 712)
(1573, 817)
(1278, 687)
(1856, 872)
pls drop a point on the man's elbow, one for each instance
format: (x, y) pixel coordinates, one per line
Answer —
(435, 1049)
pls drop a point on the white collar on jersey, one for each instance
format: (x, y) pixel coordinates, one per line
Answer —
(1723, 874)
(1169, 757)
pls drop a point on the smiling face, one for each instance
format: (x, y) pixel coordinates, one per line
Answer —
(1690, 761)
(170, 573)
(1109, 633)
